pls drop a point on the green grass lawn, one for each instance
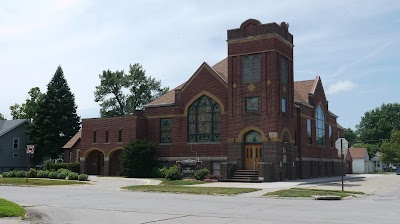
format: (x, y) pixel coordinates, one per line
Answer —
(36, 182)
(180, 182)
(190, 190)
(306, 193)
(10, 209)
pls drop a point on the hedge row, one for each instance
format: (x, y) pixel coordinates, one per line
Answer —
(74, 167)
(61, 174)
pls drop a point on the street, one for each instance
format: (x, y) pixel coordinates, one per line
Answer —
(87, 204)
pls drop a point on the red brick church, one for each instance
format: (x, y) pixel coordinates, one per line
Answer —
(244, 116)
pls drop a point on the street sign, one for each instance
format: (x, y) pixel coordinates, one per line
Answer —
(30, 149)
(341, 144)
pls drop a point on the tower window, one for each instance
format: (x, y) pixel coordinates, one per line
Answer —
(94, 136)
(107, 136)
(284, 105)
(252, 104)
(284, 70)
(251, 68)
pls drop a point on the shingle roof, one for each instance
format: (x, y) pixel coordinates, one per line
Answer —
(8, 125)
(72, 141)
(302, 89)
(166, 99)
(358, 153)
(222, 69)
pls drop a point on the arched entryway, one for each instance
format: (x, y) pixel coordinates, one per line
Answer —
(95, 163)
(252, 150)
(115, 163)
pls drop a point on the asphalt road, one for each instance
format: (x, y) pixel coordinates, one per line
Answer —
(86, 204)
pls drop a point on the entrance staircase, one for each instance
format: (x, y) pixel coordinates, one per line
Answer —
(244, 176)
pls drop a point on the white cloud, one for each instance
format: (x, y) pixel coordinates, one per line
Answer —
(341, 86)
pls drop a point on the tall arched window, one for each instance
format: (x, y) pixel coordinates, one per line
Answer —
(320, 126)
(204, 121)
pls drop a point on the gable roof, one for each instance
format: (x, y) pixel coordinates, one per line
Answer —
(302, 89)
(168, 99)
(72, 141)
(8, 125)
(358, 153)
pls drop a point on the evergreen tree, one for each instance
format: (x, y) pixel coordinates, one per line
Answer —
(56, 120)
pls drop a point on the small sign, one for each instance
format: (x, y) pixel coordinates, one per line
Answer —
(30, 149)
(341, 144)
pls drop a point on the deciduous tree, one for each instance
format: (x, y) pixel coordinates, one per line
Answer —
(377, 125)
(2, 117)
(120, 93)
(391, 149)
(28, 109)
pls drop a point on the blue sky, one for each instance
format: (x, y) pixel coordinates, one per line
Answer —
(353, 45)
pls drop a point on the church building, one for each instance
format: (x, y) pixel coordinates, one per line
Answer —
(242, 118)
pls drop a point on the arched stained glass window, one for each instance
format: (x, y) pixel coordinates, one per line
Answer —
(253, 137)
(204, 121)
(320, 126)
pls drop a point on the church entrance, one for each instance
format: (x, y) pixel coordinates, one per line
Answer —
(252, 150)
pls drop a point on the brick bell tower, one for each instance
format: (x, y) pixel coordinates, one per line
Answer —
(261, 130)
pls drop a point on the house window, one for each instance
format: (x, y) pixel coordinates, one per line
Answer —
(204, 121)
(16, 143)
(216, 168)
(94, 137)
(330, 136)
(120, 135)
(165, 130)
(309, 131)
(78, 155)
(107, 136)
(284, 105)
(252, 104)
(284, 70)
(15, 155)
(320, 126)
(251, 68)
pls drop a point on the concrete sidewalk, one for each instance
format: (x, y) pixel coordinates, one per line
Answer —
(329, 183)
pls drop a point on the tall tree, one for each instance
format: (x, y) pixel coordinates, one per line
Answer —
(372, 149)
(56, 120)
(350, 136)
(378, 124)
(28, 109)
(2, 117)
(120, 93)
(391, 149)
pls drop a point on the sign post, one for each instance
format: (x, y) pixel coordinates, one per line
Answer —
(30, 150)
(342, 144)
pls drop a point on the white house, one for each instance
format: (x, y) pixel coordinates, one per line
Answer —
(360, 159)
(376, 164)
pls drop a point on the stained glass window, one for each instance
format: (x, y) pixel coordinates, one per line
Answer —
(253, 137)
(320, 126)
(252, 104)
(251, 68)
(165, 130)
(309, 131)
(204, 121)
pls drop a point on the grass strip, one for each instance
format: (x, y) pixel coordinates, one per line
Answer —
(36, 182)
(307, 193)
(167, 182)
(191, 190)
(10, 209)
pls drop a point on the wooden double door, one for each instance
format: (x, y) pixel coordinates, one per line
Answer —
(252, 155)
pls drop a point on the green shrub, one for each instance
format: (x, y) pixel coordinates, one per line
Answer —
(32, 173)
(12, 173)
(64, 171)
(73, 176)
(83, 177)
(43, 174)
(53, 175)
(51, 165)
(158, 172)
(173, 173)
(138, 158)
(21, 173)
(201, 174)
(5, 174)
(61, 176)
